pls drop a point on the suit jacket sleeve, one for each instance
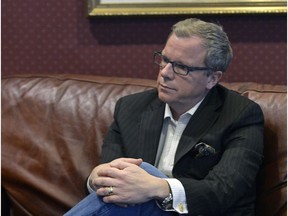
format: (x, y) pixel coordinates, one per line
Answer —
(112, 148)
(135, 131)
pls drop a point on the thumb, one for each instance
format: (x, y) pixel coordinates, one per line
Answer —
(136, 161)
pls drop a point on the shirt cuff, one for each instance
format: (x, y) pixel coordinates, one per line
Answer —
(90, 186)
(179, 196)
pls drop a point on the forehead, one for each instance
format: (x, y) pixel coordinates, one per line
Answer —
(188, 50)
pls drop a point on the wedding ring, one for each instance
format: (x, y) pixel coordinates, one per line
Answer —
(110, 190)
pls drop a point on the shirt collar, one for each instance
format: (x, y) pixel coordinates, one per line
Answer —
(168, 113)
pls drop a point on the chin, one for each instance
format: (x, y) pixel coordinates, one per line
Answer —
(164, 97)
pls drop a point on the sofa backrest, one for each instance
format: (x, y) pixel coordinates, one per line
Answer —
(53, 127)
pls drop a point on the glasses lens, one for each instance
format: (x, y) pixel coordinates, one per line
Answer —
(180, 69)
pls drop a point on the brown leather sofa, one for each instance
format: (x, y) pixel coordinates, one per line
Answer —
(52, 131)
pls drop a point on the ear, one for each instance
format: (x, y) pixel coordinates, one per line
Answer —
(213, 79)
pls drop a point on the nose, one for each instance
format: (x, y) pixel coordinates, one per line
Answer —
(167, 71)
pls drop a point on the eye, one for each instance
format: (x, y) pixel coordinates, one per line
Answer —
(180, 66)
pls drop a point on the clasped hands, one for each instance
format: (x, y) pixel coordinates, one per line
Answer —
(124, 183)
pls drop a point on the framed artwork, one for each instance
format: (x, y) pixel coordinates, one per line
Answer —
(180, 7)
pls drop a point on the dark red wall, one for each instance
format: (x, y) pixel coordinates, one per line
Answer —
(55, 36)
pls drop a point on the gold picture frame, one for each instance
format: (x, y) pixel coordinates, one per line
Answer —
(182, 7)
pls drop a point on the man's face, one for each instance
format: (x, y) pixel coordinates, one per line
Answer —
(183, 92)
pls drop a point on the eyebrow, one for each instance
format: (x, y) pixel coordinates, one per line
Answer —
(178, 62)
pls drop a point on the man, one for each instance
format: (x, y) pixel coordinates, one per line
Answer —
(206, 139)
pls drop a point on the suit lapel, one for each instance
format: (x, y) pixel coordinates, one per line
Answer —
(150, 127)
(199, 123)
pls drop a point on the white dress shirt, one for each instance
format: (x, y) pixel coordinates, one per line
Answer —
(171, 133)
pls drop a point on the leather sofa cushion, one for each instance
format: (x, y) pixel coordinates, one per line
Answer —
(53, 127)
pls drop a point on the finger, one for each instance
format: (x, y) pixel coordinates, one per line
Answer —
(105, 191)
(112, 172)
(122, 164)
(103, 182)
(102, 191)
(127, 160)
(112, 199)
(136, 161)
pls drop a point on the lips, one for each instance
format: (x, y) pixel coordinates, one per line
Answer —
(166, 88)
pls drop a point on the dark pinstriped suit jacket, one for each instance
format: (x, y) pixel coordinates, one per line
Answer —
(217, 184)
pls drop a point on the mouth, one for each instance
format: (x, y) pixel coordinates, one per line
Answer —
(166, 88)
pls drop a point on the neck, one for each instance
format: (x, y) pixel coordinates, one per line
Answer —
(178, 109)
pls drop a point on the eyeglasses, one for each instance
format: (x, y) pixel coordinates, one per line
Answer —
(178, 68)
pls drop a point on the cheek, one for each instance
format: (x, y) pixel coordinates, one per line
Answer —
(202, 81)
(196, 83)
(194, 88)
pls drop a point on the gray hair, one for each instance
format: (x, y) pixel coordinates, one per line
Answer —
(219, 51)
